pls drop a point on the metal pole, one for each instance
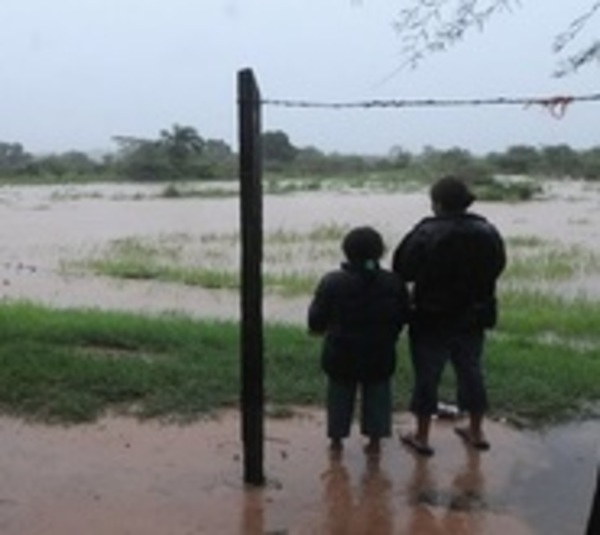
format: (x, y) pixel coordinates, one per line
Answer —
(252, 365)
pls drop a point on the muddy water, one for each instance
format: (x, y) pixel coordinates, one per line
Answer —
(121, 477)
(44, 227)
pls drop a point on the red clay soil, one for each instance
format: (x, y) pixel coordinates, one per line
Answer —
(124, 477)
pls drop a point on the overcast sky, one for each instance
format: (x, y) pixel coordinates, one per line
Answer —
(74, 73)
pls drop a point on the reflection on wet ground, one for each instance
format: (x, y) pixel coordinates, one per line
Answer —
(121, 477)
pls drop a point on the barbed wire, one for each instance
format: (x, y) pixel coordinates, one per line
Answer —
(556, 105)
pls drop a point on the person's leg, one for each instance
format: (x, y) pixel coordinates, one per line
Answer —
(428, 354)
(466, 358)
(340, 410)
(376, 412)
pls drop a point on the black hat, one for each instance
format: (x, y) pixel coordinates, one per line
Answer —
(452, 194)
(363, 243)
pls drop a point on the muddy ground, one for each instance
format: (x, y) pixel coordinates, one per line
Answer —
(121, 477)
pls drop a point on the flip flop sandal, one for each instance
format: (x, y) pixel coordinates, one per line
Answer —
(415, 445)
(481, 444)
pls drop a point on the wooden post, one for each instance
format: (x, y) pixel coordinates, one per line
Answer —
(252, 365)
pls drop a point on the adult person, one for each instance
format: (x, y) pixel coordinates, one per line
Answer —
(360, 309)
(451, 261)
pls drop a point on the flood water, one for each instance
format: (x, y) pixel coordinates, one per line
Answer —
(119, 476)
(45, 228)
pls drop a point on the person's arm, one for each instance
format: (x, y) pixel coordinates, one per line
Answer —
(319, 310)
(501, 253)
(402, 301)
(407, 256)
(495, 258)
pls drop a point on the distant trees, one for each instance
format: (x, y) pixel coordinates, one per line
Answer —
(516, 160)
(13, 158)
(180, 153)
(181, 145)
(553, 161)
(73, 163)
(16, 161)
(140, 159)
(277, 149)
(177, 153)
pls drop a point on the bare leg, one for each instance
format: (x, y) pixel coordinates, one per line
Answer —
(336, 445)
(476, 425)
(423, 427)
(373, 447)
(473, 434)
(419, 440)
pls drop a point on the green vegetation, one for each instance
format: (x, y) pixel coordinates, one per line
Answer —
(542, 360)
(294, 260)
(212, 262)
(75, 365)
(181, 154)
(538, 261)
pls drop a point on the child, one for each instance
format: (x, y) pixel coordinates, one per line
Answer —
(360, 309)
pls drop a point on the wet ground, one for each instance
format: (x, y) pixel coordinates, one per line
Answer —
(121, 477)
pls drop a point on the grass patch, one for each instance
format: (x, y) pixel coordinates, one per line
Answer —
(533, 259)
(211, 261)
(75, 365)
(495, 189)
(539, 316)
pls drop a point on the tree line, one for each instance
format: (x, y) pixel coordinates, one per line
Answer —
(181, 153)
(176, 153)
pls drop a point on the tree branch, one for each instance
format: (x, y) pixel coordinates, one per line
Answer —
(430, 26)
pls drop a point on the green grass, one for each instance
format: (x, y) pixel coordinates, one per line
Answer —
(542, 363)
(294, 261)
(545, 261)
(211, 262)
(72, 365)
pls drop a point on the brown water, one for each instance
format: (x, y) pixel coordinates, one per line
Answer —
(44, 227)
(122, 477)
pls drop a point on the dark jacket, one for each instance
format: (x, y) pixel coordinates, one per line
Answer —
(454, 262)
(361, 313)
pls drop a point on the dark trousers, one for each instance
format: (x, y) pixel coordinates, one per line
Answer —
(430, 350)
(375, 411)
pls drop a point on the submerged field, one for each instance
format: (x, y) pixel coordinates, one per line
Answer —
(122, 300)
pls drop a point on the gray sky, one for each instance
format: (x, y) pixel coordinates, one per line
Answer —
(76, 72)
